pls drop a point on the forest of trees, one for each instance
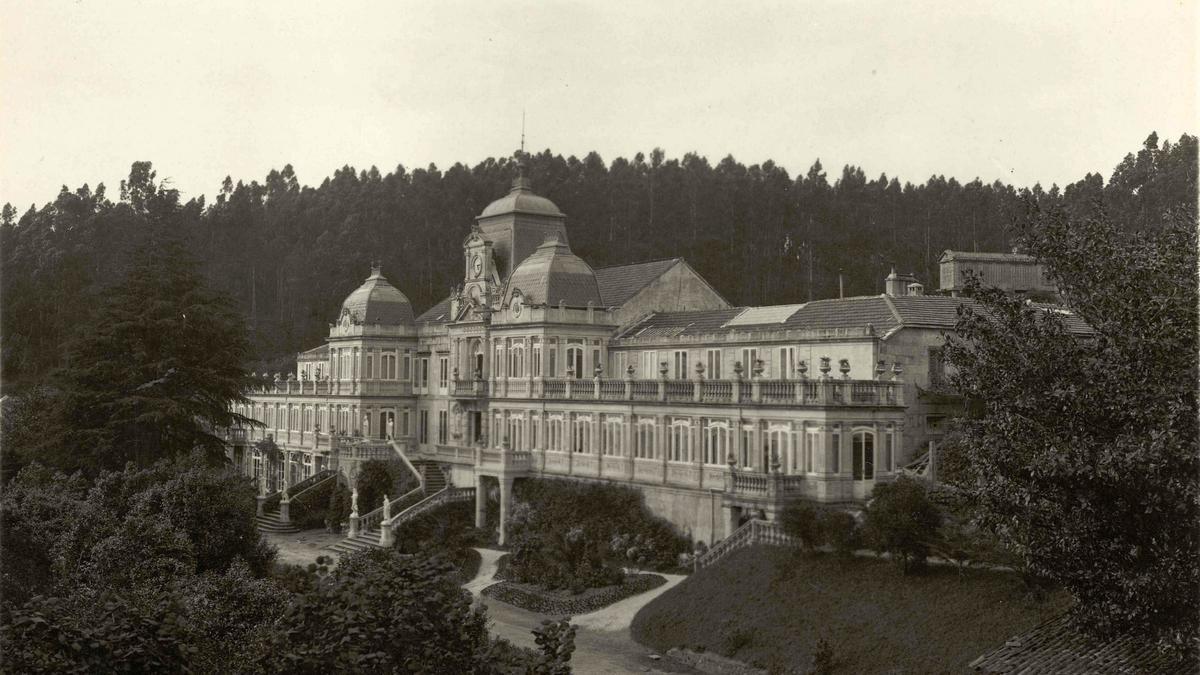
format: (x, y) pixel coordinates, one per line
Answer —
(288, 253)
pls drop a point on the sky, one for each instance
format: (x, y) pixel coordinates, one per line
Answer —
(1018, 91)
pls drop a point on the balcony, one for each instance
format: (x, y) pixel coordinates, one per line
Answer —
(820, 392)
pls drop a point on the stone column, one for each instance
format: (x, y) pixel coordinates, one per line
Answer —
(480, 502)
(505, 502)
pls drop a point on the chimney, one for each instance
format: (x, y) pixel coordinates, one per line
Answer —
(915, 288)
(841, 289)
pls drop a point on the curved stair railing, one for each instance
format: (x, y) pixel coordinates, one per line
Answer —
(271, 500)
(404, 458)
(753, 532)
(446, 495)
(372, 519)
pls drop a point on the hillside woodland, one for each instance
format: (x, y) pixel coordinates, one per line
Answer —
(288, 253)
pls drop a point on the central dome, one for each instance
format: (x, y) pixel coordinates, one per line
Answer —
(521, 199)
(377, 302)
(553, 274)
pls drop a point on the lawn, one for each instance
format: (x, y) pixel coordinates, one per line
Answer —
(769, 606)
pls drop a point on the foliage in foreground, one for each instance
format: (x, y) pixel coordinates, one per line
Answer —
(1081, 449)
(161, 570)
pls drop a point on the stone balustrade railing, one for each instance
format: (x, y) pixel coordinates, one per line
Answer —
(825, 391)
(754, 532)
(294, 387)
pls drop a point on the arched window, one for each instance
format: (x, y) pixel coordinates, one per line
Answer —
(716, 442)
(681, 441)
(863, 455)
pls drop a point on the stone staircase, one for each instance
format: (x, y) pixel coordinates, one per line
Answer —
(435, 478)
(364, 540)
(271, 523)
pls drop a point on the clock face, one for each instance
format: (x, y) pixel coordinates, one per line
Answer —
(477, 266)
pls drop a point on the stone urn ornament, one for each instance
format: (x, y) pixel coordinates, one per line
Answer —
(880, 369)
(844, 367)
(699, 370)
(802, 369)
(738, 369)
(825, 366)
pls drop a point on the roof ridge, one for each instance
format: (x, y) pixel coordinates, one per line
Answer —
(644, 262)
(887, 300)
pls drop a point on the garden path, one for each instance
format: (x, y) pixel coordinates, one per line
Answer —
(302, 548)
(603, 643)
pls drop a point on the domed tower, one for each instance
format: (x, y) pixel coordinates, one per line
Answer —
(518, 223)
(552, 276)
(372, 344)
(377, 302)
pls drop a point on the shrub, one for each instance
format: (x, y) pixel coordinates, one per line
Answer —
(816, 526)
(536, 599)
(446, 531)
(901, 520)
(733, 637)
(823, 658)
(49, 634)
(380, 612)
(804, 521)
(841, 531)
(567, 534)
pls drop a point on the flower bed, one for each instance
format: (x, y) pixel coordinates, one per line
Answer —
(563, 603)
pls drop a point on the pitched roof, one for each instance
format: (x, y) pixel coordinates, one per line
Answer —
(881, 313)
(670, 324)
(857, 312)
(315, 354)
(621, 282)
(1056, 647)
(439, 313)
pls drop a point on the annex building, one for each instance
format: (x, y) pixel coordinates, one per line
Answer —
(640, 374)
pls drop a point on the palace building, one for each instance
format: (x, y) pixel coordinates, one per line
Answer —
(642, 374)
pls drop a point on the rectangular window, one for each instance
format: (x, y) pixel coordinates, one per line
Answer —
(596, 364)
(423, 426)
(404, 423)
(649, 369)
(443, 372)
(536, 357)
(552, 361)
(370, 367)
(575, 362)
(442, 427)
(712, 365)
(749, 357)
(406, 367)
(680, 359)
(785, 365)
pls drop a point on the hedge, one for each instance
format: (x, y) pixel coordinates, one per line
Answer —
(534, 599)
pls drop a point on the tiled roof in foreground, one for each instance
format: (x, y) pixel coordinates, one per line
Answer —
(1056, 648)
(878, 313)
(621, 282)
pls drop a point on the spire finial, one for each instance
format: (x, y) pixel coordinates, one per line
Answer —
(522, 131)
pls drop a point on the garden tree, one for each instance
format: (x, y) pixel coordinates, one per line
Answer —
(902, 521)
(155, 372)
(815, 525)
(1081, 449)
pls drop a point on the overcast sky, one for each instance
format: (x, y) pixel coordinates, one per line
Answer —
(1017, 91)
